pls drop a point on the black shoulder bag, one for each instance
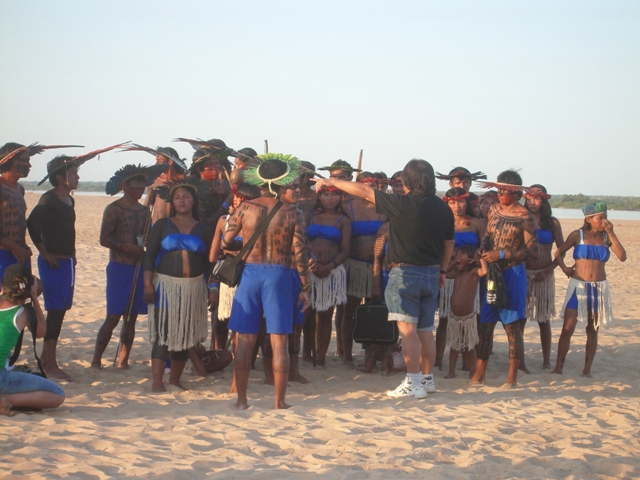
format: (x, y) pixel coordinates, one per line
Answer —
(33, 326)
(228, 269)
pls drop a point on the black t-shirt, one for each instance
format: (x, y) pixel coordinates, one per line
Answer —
(52, 222)
(418, 227)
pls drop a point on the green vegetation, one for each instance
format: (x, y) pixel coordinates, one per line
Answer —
(579, 200)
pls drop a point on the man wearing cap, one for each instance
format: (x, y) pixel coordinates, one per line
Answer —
(13, 220)
(275, 280)
(122, 232)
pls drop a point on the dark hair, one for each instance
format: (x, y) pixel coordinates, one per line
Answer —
(195, 209)
(199, 166)
(247, 152)
(456, 192)
(172, 152)
(462, 173)
(137, 178)
(248, 191)
(419, 178)
(396, 175)
(5, 150)
(468, 250)
(306, 175)
(470, 201)
(319, 208)
(546, 220)
(362, 175)
(17, 282)
(380, 175)
(510, 176)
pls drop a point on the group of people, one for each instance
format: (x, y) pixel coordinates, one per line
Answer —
(313, 249)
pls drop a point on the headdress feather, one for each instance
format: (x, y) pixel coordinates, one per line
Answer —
(150, 173)
(33, 149)
(156, 151)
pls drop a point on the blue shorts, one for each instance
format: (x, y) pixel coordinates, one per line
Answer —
(265, 290)
(119, 282)
(515, 278)
(57, 283)
(20, 382)
(412, 295)
(7, 259)
(592, 298)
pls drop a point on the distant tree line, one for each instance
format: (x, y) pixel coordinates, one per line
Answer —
(556, 201)
(580, 200)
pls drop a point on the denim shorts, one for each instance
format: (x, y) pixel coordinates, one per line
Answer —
(19, 382)
(412, 295)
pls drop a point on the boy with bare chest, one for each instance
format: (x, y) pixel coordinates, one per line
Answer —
(462, 330)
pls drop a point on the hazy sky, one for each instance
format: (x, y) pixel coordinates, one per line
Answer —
(551, 88)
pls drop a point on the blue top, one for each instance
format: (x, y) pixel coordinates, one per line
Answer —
(327, 232)
(591, 252)
(364, 227)
(545, 237)
(181, 241)
(464, 239)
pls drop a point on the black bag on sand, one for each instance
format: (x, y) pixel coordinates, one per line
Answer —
(372, 325)
(228, 269)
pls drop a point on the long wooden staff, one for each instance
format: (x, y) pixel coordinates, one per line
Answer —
(132, 294)
(360, 161)
(266, 146)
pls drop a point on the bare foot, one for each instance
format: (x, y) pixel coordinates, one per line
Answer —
(557, 371)
(281, 406)
(450, 375)
(298, 379)
(56, 372)
(524, 369)
(241, 406)
(546, 366)
(476, 382)
(177, 384)
(267, 381)
(96, 366)
(586, 374)
(123, 366)
(321, 365)
(5, 407)
(307, 359)
(465, 368)
(509, 385)
(348, 364)
(438, 364)
(158, 388)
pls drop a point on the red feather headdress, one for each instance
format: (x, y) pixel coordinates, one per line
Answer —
(504, 186)
(457, 198)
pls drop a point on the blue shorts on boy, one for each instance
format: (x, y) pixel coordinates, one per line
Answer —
(515, 278)
(119, 284)
(57, 283)
(265, 290)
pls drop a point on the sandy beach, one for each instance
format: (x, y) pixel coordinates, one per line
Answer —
(341, 425)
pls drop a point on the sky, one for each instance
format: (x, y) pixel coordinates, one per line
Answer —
(548, 88)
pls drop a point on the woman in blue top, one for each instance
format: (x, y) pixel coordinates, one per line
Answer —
(541, 288)
(329, 233)
(588, 295)
(19, 389)
(176, 265)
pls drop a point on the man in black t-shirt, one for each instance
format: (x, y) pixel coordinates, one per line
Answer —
(420, 247)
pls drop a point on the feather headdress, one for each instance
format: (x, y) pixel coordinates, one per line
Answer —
(340, 165)
(194, 184)
(505, 186)
(287, 166)
(63, 161)
(150, 173)
(211, 147)
(461, 172)
(33, 149)
(155, 152)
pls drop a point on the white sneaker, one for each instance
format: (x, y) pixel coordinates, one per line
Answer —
(406, 389)
(429, 384)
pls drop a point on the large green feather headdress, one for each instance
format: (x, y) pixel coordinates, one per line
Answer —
(286, 166)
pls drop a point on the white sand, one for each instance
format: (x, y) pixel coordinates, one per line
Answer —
(341, 425)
